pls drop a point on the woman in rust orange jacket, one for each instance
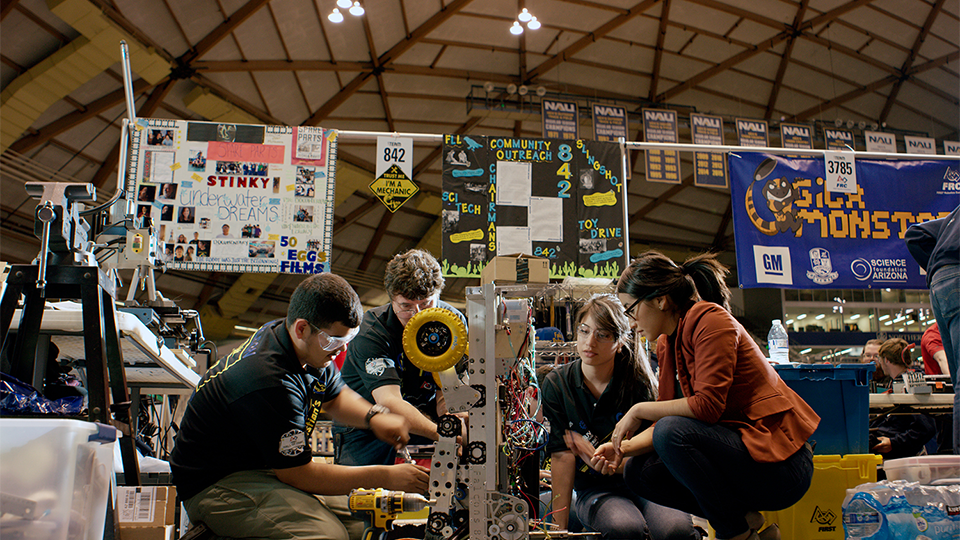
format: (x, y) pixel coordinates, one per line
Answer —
(730, 437)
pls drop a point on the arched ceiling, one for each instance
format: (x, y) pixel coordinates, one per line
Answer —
(413, 65)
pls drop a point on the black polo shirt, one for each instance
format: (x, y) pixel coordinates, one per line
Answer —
(254, 409)
(569, 405)
(375, 358)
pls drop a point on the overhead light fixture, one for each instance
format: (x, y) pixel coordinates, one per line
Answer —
(336, 16)
(516, 29)
(862, 125)
(874, 126)
(541, 91)
(533, 24)
(820, 316)
(801, 316)
(838, 122)
(356, 10)
(884, 317)
(488, 86)
(855, 317)
(344, 4)
(523, 90)
(511, 89)
(525, 15)
(805, 351)
(790, 321)
(850, 123)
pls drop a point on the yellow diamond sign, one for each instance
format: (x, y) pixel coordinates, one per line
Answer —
(393, 188)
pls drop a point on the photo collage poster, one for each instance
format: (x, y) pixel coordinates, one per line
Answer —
(553, 198)
(236, 197)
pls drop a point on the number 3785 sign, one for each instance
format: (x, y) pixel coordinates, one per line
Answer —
(841, 172)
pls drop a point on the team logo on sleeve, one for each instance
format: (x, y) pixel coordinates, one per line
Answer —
(376, 366)
(292, 443)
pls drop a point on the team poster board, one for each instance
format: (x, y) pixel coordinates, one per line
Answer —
(552, 198)
(791, 232)
(236, 197)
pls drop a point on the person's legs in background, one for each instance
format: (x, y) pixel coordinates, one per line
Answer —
(614, 515)
(945, 301)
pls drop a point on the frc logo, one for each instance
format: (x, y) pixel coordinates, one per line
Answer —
(824, 519)
(951, 181)
(773, 265)
(822, 273)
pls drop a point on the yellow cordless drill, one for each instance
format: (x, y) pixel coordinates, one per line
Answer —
(384, 506)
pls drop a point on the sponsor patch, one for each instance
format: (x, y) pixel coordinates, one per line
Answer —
(293, 443)
(375, 366)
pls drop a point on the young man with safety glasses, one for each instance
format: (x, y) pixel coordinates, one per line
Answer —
(378, 369)
(241, 462)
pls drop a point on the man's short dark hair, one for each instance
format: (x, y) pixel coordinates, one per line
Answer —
(414, 274)
(324, 299)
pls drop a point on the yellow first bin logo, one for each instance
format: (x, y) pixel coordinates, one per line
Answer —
(393, 188)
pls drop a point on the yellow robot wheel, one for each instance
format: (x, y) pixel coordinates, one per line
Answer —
(435, 339)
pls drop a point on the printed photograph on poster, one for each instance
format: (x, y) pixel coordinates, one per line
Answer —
(197, 162)
(168, 192)
(143, 210)
(262, 250)
(305, 187)
(158, 166)
(166, 212)
(303, 214)
(160, 137)
(593, 245)
(310, 143)
(450, 220)
(251, 231)
(225, 231)
(146, 193)
(187, 214)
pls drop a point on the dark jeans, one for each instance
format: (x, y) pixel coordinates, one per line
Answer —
(705, 470)
(621, 515)
(945, 301)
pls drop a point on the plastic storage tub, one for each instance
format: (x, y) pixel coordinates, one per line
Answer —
(818, 515)
(55, 476)
(841, 396)
(923, 469)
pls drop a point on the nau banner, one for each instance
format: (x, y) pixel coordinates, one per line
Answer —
(793, 233)
(552, 198)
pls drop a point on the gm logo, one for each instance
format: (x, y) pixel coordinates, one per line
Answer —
(773, 265)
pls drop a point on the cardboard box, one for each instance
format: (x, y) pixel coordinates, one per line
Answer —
(146, 506)
(164, 532)
(516, 268)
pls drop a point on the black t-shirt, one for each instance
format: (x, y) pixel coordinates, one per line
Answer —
(375, 358)
(569, 405)
(254, 409)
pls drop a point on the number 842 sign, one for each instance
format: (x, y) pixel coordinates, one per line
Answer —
(841, 171)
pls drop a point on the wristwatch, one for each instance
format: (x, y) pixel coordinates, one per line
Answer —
(375, 410)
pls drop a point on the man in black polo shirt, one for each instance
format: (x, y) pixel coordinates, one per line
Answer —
(377, 368)
(241, 462)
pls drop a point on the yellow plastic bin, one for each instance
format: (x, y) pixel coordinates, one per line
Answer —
(817, 516)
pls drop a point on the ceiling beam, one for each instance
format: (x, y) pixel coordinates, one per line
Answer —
(719, 239)
(914, 50)
(586, 40)
(75, 118)
(386, 59)
(435, 153)
(6, 6)
(226, 66)
(234, 99)
(664, 197)
(658, 54)
(356, 214)
(222, 31)
(785, 59)
(375, 241)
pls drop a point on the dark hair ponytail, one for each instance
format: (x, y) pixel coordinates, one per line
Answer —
(653, 274)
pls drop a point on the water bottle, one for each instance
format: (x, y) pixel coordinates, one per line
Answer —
(778, 343)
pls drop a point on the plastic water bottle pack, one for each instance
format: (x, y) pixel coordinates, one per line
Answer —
(902, 510)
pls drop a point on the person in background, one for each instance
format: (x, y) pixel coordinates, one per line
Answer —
(582, 400)
(936, 247)
(899, 435)
(241, 461)
(871, 353)
(931, 349)
(378, 369)
(729, 436)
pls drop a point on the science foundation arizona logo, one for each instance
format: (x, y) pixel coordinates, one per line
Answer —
(822, 273)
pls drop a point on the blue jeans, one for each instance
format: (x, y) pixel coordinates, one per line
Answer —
(621, 515)
(355, 446)
(706, 470)
(945, 301)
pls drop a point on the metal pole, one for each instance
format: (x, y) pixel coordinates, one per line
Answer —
(684, 147)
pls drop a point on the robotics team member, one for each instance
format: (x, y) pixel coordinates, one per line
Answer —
(377, 368)
(241, 462)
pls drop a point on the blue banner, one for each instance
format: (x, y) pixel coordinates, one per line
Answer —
(792, 233)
